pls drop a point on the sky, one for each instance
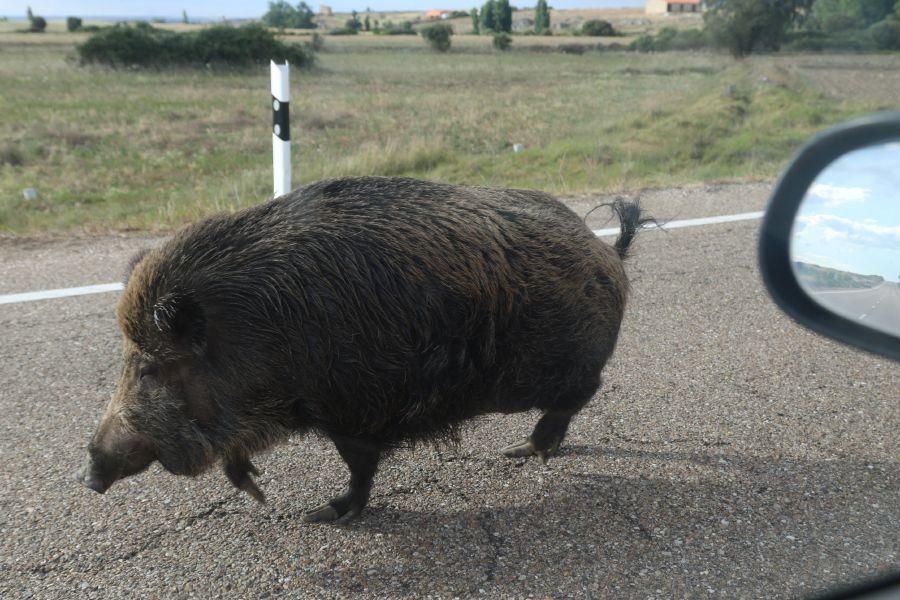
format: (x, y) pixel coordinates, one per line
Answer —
(850, 217)
(214, 9)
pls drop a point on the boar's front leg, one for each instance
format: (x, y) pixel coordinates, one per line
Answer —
(238, 472)
(362, 459)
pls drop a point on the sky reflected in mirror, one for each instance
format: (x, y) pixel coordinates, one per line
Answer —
(845, 245)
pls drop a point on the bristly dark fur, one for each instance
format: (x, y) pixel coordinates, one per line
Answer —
(382, 311)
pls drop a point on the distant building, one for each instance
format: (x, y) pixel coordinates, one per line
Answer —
(325, 11)
(433, 15)
(662, 7)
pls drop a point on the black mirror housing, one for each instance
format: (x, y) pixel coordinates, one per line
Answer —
(775, 236)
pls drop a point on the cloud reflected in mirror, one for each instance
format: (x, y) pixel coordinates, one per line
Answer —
(845, 245)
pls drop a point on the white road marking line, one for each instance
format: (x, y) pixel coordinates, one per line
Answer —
(848, 291)
(863, 317)
(61, 293)
(115, 287)
(750, 216)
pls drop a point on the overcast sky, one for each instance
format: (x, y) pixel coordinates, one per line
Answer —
(213, 9)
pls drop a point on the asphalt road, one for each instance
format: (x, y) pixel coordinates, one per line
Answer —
(730, 454)
(877, 307)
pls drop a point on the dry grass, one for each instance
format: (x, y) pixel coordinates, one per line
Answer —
(151, 150)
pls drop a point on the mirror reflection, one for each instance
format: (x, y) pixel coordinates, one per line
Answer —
(845, 245)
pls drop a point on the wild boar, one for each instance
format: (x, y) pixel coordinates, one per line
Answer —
(375, 311)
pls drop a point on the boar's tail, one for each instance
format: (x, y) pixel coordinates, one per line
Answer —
(631, 220)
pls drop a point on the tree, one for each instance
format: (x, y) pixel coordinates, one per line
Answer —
(280, 14)
(38, 24)
(488, 18)
(73, 23)
(438, 36)
(184, 17)
(354, 22)
(367, 24)
(865, 12)
(476, 29)
(886, 34)
(305, 18)
(743, 26)
(35, 24)
(502, 16)
(541, 17)
(284, 16)
(597, 27)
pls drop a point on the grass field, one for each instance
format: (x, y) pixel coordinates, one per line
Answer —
(124, 149)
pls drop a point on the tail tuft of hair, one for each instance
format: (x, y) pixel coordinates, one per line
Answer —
(631, 220)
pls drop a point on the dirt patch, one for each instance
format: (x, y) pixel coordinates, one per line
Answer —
(863, 77)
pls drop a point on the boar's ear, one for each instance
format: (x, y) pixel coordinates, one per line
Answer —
(129, 268)
(181, 317)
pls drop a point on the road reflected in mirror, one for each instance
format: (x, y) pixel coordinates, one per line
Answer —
(845, 245)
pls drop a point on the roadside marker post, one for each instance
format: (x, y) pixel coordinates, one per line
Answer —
(281, 127)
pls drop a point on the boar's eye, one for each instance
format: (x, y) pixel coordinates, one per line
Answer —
(148, 371)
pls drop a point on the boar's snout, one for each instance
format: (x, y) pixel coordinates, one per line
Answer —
(112, 455)
(89, 477)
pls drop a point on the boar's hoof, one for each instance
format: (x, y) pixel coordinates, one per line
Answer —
(339, 509)
(527, 448)
(322, 514)
(521, 450)
(239, 475)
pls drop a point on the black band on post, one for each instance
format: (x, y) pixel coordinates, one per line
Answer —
(281, 121)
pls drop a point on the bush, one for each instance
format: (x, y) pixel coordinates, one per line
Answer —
(354, 23)
(851, 40)
(644, 43)
(220, 45)
(344, 31)
(73, 23)
(38, 25)
(864, 13)
(839, 23)
(597, 28)
(886, 34)
(501, 41)
(438, 36)
(404, 28)
(803, 41)
(578, 49)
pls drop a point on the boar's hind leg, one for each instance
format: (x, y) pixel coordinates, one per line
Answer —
(550, 430)
(362, 459)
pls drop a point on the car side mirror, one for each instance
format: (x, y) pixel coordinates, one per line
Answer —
(829, 248)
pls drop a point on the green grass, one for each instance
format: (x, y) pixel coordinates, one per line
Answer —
(122, 149)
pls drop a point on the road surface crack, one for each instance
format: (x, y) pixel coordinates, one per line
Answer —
(152, 540)
(184, 524)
